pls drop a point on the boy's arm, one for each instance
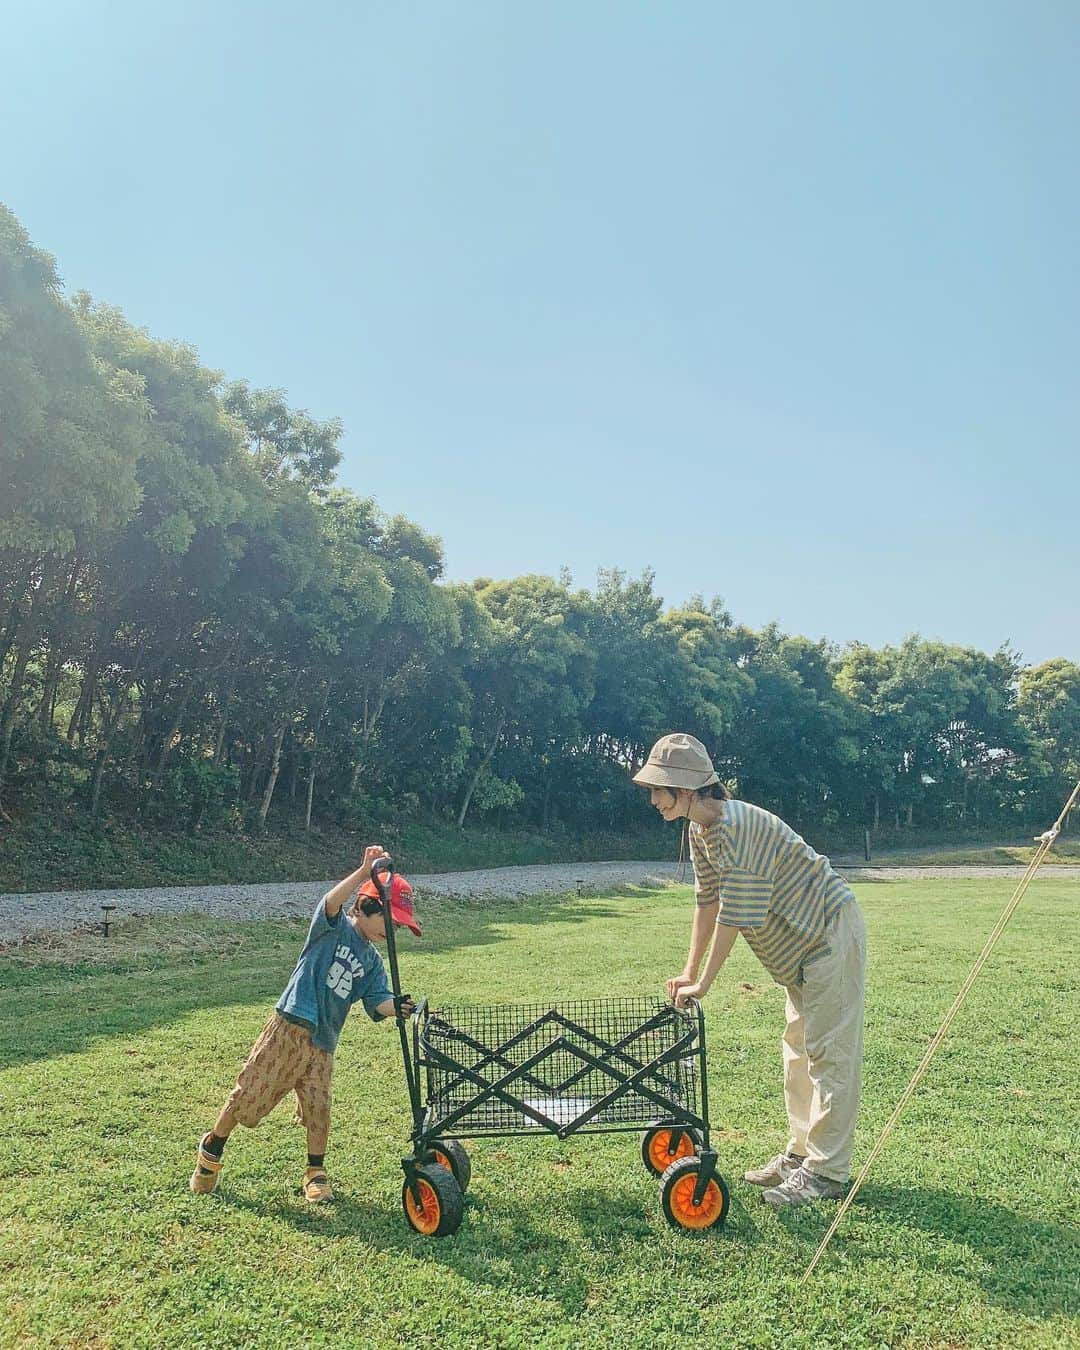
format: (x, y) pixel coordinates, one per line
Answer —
(378, 1000)
(348, 886)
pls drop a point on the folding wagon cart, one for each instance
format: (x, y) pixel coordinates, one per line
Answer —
(590, 1066)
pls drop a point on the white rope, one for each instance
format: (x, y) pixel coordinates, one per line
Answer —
(1045, 842)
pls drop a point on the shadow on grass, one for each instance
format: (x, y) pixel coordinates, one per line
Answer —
(1026, 1265)
(74, 1005)
(503, 1248)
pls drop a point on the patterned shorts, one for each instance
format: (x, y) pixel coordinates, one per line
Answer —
(283, 1059)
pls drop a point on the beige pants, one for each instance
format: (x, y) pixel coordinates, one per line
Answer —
(283, 1060)
(823, 1049)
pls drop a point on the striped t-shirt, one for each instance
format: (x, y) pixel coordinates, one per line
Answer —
(771, 885)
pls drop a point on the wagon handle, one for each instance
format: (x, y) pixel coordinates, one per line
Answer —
(693, 1006)
(382, 872)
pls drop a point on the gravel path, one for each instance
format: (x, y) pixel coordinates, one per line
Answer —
(42, 911)
(21, 915)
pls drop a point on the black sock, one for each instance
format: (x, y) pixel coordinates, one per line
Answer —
(315, 1159)
(213, 1143)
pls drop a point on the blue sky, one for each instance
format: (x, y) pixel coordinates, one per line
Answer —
(781, 300)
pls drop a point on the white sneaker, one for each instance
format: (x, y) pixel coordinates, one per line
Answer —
(803, 1188)
(775, 1171)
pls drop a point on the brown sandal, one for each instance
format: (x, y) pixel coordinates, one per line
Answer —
(317, 1186)
(204, 1179)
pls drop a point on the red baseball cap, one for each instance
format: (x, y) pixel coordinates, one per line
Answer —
(401, 902)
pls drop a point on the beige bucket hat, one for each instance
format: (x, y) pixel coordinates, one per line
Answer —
(677, 761)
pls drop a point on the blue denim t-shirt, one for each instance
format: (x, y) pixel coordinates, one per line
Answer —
(337, 968)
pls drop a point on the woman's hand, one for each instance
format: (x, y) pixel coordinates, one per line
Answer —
(678, 982)
(689, 991)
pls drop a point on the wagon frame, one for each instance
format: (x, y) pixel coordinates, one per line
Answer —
(586, 1066)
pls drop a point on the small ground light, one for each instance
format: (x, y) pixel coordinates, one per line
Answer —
(107, 911)
(580, 884)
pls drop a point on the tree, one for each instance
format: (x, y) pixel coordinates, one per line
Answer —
(794, 741)
(533, 678)
(71, 432)
(154, 576)
(282, 441)
(704, 685)
(630, 707)
(1049, 708)
(399, 623)
(940, 718)
(195, 619)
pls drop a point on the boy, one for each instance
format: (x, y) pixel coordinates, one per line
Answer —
(295, 1050)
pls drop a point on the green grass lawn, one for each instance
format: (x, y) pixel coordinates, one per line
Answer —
(116, 1057)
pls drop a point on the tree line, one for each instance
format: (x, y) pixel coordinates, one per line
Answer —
(198, 626)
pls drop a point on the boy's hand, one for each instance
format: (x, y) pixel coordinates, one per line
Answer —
(346, 890)
(372, 852)
(402, 1007)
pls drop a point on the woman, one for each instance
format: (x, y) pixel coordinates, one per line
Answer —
(754, 875)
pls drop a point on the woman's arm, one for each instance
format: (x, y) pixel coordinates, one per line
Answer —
(707, 895)
(722, 943)
(702, 931)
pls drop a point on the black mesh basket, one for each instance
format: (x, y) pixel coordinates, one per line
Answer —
(589, 1065)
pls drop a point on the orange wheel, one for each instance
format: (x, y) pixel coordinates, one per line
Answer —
(452, 1154)
(441, 1203)
(677, 1187)
(656, 1151)
(424, 1216)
